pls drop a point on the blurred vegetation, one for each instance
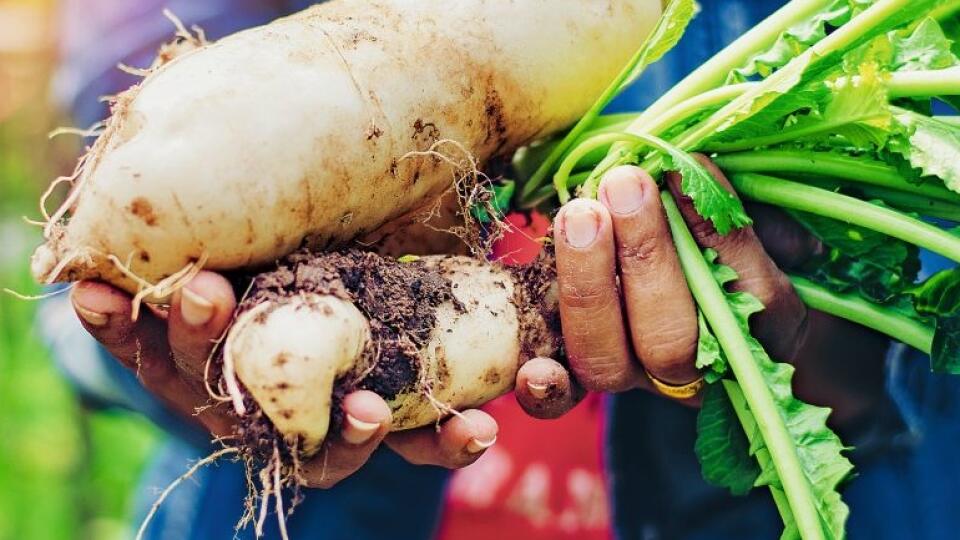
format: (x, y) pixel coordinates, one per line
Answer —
(65, 472)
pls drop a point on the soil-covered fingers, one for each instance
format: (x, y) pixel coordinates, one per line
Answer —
(594, 336)
(544, 389)
(461, 440)
(366, 421)
(661, 315)
(199, 314)
(142, 347)
(781, 325)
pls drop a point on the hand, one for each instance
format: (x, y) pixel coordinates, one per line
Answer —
(169, 352)
(627, 312)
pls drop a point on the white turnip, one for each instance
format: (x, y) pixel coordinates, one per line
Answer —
(323, 126)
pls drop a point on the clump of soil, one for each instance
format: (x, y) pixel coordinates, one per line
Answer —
(535, 297)
(398, 299)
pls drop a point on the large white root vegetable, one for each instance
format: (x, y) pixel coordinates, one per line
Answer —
(431, 336)
(316, 128)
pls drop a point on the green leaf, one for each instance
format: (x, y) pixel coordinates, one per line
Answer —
(817, 62)
(722, 447)
(923, 47)
(951, 29)
(929, 145)
(711, 200)
(927, 47)
(857, 259)
(797, 39)
(855, 108)
(665, 36)
(808, 98)
(709, 356)
(818, 448)
(945, 357)
(939, 297)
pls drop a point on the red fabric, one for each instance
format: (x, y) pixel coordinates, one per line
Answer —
(543, 479)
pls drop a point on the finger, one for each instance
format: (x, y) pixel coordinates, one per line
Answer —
(593, 331)
(660, 309)
(461, 440)
(366, 421)
(199, 314)
(787, 242)
(544, 389)
(105, 313)
(141, 346)
(780, 326)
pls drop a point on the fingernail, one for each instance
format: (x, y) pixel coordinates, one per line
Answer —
(92, 317)
(622, 193)
(358, 431)
(195, 309)
(580, 225)
(538, 390)
(475, 446)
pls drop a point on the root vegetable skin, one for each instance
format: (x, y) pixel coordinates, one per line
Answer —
(289, 354)
(301, 131)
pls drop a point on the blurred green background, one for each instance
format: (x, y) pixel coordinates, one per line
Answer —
(65, 472)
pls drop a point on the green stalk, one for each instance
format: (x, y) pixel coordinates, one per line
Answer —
(910, 84)
(901, 200)
(763, 456)
(797, 196)
(946, 10)
(692, 106)
(561, 177)
(854, 308)
(859, 169)
(561, 180)
(713, 73)
(713, 302)
(633, 68)
(939, 82)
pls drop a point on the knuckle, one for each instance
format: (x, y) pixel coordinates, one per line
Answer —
(603, 374)
(670, 351)
(705, 233)
(770, 290)
(586, 295)
(636, 256)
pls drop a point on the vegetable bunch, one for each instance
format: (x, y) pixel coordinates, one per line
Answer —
(825, 109)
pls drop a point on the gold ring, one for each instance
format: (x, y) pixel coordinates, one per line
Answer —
(684, 391)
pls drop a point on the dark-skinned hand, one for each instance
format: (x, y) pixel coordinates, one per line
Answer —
(627, 311)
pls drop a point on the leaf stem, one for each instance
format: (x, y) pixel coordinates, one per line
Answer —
(856, 169)
(854, 308)
(797, 196)
(938, 82)
(713, 302)
(901, 200)
(747, 420)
